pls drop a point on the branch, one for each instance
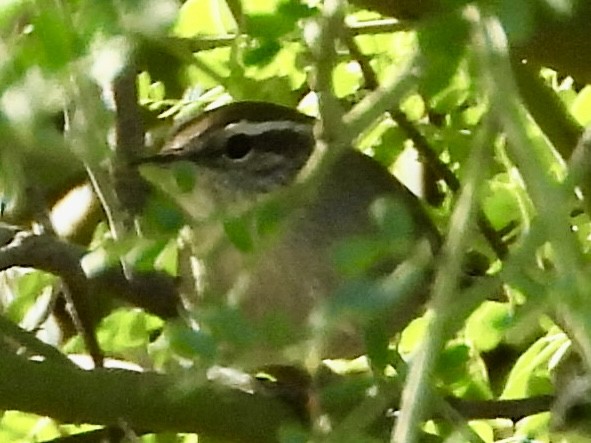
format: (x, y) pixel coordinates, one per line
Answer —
(130, 189)
(153, 291)
(512, 409)
(29, 341)
(142, 400)
(190, 404)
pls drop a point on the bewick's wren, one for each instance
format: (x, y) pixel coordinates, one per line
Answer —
(247, 153)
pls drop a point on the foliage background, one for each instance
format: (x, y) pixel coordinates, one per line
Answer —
(453, 80)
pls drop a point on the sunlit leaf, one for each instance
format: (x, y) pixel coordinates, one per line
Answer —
(199, 17)
(486, 326)
(581, 107)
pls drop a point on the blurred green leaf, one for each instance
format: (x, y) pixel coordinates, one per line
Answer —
(347, 79)
(268, 26)
(144, 253)
(442, 46)
(355, 256)
(501, 202)
(228, 325)
(390, 146)
(532, 365)
(239, 231)
(461, 372)
(413, 334)
(394, 220)
(56, 41)
(191, 344)
(124, 330)
(453, 94)
(295, 9)
(581, 107)
(184, 175)
(28, 286)
(517, 18)
(262, 52)
(534, 427)
(484, 430)
(10, 10)
(413, 106)
(161, 215)
(270, 215)
(19, 427)
(452, 362)
(203, 17)
(486, 326)
(561, 8)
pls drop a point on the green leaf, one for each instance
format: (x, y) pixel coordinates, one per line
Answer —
(486, 326)
(10, 11)
(270, 215)
(295, 10)
(390, 145)
(56, 39)
(531, 365)
(442, 46)
(393, 219)
(517, 19)
(239, 231)
(268, 26)
(453, 95)
(125, 330)
(145, 252)
(184, 174)
(28, 286)
(414, 107)
(356, 255)
(452, 364)
(191, 344)
(262, 52)
(536, 428)
(204, 17)
(346, 79)
(228, 325)
(19, 427)
(413, 334)
(161, 215)
(581, 107)
(501, 203)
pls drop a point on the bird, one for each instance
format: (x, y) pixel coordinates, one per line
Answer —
(267, 250)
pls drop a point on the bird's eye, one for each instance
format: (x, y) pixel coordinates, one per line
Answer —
(238, 146)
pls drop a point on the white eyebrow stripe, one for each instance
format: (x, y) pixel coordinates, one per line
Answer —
(256, 128)
(246, 127)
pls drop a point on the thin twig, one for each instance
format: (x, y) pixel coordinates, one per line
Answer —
(512, 409)
(365, 27)
(445, 318)
(580, 167)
